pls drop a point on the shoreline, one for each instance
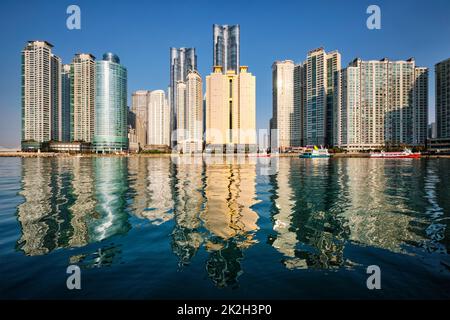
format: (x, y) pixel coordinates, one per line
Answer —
(167, 155)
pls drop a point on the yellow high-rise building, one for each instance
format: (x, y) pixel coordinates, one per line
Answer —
(230, 107)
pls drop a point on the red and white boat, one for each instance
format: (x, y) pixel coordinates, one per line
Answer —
(407, 153)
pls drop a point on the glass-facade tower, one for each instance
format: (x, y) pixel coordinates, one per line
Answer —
(110, 105)
(226, 47)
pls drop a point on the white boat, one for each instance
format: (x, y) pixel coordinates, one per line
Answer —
(315, 153)
(407, 153)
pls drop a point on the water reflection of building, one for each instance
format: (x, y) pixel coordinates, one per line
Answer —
(138, 177)
(437, 184)
(37, 234)
(228, 216)
(378, 211)
(150, 183)
(111, 178)
(307, 204)
(83, 206)
(68, 203)
(189, 200)
(285, 240)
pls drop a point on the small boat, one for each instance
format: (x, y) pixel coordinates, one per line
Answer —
(405, 154)
(315, 153)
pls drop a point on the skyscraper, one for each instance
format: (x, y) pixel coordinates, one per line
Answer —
(442, 72)
(110, 105)
(182, 60)
(226, 42)
(381, 103)
(318, 115)
(56, 110)
(65, 103)
(230, 108)
(140, 104)
(283, 118)
(194, 113)
(299, 104)
(158, 119)
(41, 95)
(181, 114)
(82, 97)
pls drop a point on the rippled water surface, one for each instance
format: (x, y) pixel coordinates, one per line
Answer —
(259, 228)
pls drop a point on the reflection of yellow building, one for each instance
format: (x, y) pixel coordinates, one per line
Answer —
(230, 192)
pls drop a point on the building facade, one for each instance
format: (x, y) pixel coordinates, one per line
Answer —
(320, 68)
(56, 103)
(140, 101)
(193, 141)
(181, 114)
(226, 45)
(82, 97)
(111, 109)
(442, 76)
(283, 106)
(158, 120)
(230, 108)
(381, 104)
(182, 60)
(65, 103)
(41, 95)
(299, 104)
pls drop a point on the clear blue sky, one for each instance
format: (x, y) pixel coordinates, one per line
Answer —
(141, 32)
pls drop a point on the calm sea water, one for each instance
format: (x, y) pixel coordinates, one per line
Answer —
(287, 228)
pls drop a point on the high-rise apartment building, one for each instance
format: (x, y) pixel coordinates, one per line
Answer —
(158, 120)
(320, 68)
(381, 103)
(65, 103)
(442, 73)
(111, 109)
(181, 113)
(182, 60)
(226, 43)
(140, 101)
(284, 115)
(299, 104)
(230, 108)
(193, 114)
(82, 97)
(56, 106)
(41, 94)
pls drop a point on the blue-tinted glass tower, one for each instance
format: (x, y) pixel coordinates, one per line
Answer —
(110, 105)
